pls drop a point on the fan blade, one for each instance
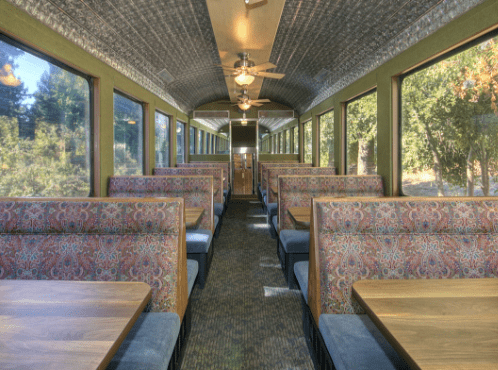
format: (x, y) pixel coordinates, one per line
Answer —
(278, 76)
(262, 67)
(261, 101)
(255, 104)
(252, 2)
(225, 67)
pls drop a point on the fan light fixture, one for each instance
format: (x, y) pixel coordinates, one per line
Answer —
(7, 77)
(244, 79)
(244, 120)
(244, 106)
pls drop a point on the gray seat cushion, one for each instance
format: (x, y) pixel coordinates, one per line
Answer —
(354, 342)
(301, 271)
(198, 241)
(295, 241)
(272, 209)
(218, 209)
(149, 344)
(216, 221)
(192, 271)
(263, 193)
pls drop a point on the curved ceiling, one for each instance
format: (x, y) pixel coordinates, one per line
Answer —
(170, 48)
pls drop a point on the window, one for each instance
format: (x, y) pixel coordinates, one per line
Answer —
(288, 141)
(192, 140)
(162, 140)
(361, 129)
(296, 139)
(213, 144)
(201, 142)
(180, 142)
(45, 126)
(128, 136)
(208, 140)
(327, 139)
(307, 142)
(449, 124)
(282, 141)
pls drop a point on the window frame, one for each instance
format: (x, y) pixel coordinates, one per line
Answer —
(180, 122)
(331, 110)
(169, 134)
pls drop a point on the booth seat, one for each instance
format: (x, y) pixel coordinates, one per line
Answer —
(134, 230)
(297, 191)
(387, 238)
(197, 192)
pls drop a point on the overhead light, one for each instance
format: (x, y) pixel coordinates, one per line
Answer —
(7, 77)
(244, 106)
(244, 120)
(244, 79)
(131, 122)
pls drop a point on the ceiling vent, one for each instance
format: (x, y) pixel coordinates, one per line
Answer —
(322, 75)
(166, 76)
(276, 114)
(211, 114)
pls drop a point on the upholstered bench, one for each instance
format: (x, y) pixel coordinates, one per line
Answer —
(197, 192)
(297, 191)
(110, 239)
(387, 238)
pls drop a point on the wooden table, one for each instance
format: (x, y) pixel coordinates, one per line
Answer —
(215, 191)
(66, 324)
(193, 216)
(301, 216)
(436, 323)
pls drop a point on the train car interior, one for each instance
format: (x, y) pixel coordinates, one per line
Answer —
(248, 184)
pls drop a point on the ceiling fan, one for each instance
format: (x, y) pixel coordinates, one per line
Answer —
(246, 103)
(244, 70)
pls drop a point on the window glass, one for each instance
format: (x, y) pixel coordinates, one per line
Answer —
(282, 140)
(192, 140)
(449, 125)
(327, 139)
(307, 142)
(201, 142)
(128, 136)
(180, 142)
(296, 140)
(213, 144)
(361, 129)
(208, 140)
(288, 141)
(162, 140)
(45, 127)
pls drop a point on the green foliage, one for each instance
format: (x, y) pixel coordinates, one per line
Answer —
(40, 167)
(327, 139)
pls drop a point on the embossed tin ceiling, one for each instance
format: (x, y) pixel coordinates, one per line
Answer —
(169, 47)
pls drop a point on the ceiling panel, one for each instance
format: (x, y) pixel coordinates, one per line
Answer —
(321, 46)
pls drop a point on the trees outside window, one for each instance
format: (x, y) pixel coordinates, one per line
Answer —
(308, 158)
(449, 125)
(192, 139)
(162, 140)
(296, 139)
(327, 139)
(180, 142)
(45, 126)
(361, 132)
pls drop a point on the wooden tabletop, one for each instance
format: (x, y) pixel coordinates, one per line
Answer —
(301, 216)
(274, 189)
(436, 323)
(66, 324)
(193, 216)
(216, 190)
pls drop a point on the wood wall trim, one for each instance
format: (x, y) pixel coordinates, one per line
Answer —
(96, 137)
(314, 296)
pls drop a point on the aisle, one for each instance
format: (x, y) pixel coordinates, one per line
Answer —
(246, 317)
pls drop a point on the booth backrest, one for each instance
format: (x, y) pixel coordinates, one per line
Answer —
(217, 174)
(98, 239)
(224, 165)
(397, 238)
(297, 191)
(275, 172)
(196, 190)
(265, 166)
(276, 161)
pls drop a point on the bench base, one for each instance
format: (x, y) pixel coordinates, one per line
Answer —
(204, 260)
(287, 261)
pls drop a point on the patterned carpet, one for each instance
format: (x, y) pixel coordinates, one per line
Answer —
(246, 317)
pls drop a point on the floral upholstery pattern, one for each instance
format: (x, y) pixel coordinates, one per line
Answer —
(275, 172)
(93, 240)
(196, 190)
(217, 174)
(275, 161)
(297, 191)
(265, 166)
(224, 165)
(431, 238)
